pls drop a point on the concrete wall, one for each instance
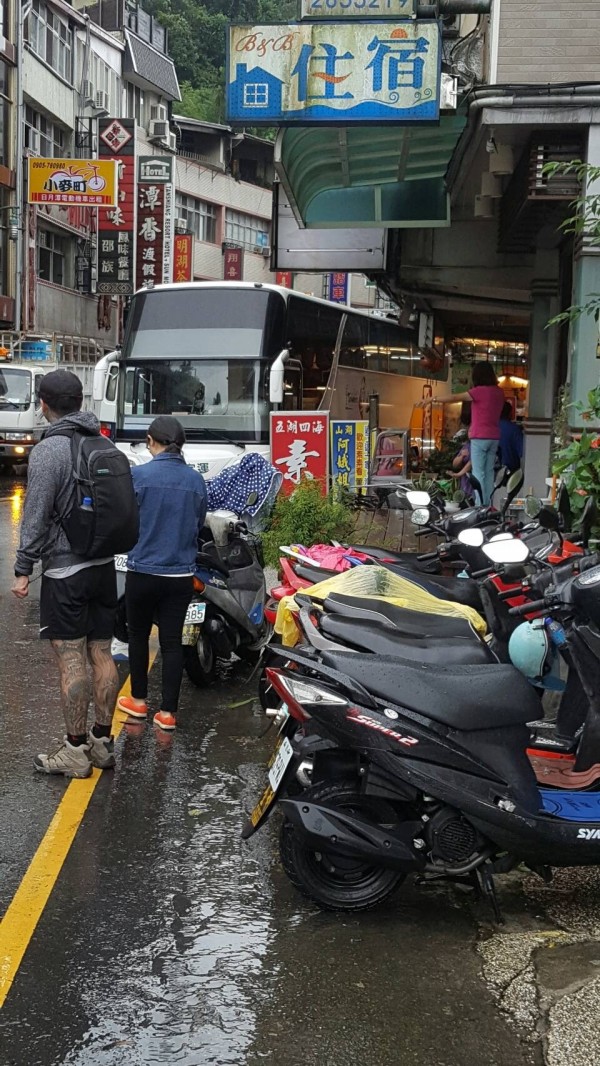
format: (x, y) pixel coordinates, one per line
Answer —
(66, 311)
(547, 41)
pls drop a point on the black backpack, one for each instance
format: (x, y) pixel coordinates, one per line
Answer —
(107, 523)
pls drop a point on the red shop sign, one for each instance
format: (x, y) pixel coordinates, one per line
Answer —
(300, 447)
(232, 264)
(183, 257)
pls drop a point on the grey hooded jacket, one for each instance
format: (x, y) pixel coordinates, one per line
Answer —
(50, 496)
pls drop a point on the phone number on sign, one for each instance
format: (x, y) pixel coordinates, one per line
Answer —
(387, 8)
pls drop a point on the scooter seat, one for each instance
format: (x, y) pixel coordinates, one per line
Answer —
(411, 623)
(464, 698)
(408, 559)
(381, 640)
(453, 589)
(314, 573)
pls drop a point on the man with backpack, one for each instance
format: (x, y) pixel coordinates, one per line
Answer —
(79, 511)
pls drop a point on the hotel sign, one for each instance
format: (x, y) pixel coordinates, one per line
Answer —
(358, 9)
(312, 73)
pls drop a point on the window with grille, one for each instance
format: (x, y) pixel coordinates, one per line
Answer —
(53, 142)
(200, 216)
(50, 37)
(53, 257)
(250, 232)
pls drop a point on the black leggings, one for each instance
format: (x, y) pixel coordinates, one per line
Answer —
(164, 600)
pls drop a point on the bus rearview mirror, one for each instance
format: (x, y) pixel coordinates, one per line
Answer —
(276, 377)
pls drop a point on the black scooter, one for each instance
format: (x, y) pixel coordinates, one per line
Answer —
(423, 770)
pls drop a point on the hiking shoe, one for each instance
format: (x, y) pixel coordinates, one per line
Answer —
(68, 759)
(119, 651)
(134, 710)
(165, 721)
(102, 751)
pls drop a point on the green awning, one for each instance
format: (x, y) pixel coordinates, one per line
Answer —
(368, 175)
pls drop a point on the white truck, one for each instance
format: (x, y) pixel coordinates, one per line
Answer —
(21, 419)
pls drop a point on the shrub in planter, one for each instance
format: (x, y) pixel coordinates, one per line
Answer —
(306, 517)
(578, 462)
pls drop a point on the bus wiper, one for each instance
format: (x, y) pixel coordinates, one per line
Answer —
(218, 436)
(13, 403)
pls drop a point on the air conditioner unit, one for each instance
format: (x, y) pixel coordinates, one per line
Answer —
(88, 92)
(102, 101)
(171, 142)
(265, 252)
(181, 225)
(158, 130)
(159, 113)
(449, 93)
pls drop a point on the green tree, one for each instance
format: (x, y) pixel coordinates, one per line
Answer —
(584, 219)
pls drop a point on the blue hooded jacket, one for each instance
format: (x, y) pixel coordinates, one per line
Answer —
(172, 501)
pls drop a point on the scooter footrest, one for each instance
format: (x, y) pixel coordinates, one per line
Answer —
(558, 745)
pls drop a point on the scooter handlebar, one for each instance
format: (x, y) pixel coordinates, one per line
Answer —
(426, 557)
(483, 573)
(529, 608)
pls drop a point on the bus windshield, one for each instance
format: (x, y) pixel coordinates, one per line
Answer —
(213, 398)
(15, 388)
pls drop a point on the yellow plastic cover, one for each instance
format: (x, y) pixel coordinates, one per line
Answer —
(376, 583)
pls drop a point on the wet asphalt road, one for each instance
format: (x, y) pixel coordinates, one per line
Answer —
(167, 940)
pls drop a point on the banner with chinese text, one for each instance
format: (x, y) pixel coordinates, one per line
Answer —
(300, 447)
(337, 72)
(92, 182)
(183, 257)
(337, 287)
(233, 264)
(284, 278)
(350, 454)
(116, 226)
(154, 220)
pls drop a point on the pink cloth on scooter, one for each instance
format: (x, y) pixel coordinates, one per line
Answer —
(332, 558)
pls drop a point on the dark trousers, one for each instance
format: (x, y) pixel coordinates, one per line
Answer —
(150, 598)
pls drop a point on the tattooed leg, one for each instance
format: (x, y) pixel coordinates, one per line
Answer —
(74, 683)
(105, 680)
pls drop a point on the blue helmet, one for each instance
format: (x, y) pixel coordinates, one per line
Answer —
(531, 650)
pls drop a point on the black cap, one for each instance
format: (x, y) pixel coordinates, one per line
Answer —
(59, 386)
(167, 430)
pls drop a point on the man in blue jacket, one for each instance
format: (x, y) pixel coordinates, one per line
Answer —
(172, 502)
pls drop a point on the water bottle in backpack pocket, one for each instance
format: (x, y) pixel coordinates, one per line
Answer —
(104, 519)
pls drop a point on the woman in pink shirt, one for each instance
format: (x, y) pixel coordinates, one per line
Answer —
(487, 401)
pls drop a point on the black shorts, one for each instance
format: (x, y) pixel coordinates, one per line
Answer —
(82, 605)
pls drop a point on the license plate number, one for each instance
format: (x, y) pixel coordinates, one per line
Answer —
(121, 563)
(280, 763)
(195, 614)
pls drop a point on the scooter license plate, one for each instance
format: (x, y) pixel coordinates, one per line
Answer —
(278, 764)
(195, 614)
(121, 563)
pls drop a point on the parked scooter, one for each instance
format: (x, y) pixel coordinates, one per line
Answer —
(425, 769)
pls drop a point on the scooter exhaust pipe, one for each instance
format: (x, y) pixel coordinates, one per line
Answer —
(334, 831)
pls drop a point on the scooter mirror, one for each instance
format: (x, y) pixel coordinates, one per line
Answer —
(473, 538)
(533, 506)
(514, 484)
(548, 518)
(417, 498)
(588, 520)
(420, 517)
(506, 552)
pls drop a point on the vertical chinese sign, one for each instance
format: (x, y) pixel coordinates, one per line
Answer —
(300, 447)
(154, 220)
(350, 454)
(337, 287)
(116, 225)
(183, 257)
(284, 278)
(232, 264)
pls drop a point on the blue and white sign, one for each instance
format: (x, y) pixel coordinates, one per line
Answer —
(349, 72)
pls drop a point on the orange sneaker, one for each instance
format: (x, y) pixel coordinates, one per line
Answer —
(164, 720)
(131, 707)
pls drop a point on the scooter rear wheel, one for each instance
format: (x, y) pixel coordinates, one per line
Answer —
(200, 661)
(335, 882)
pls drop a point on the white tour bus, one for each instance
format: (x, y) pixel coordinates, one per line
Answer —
(221, 355)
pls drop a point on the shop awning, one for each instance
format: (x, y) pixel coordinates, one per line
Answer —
(361, 176)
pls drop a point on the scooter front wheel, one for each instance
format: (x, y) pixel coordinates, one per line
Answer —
(336, 882)
(200, 661)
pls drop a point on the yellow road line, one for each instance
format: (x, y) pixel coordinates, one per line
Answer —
(19, 923)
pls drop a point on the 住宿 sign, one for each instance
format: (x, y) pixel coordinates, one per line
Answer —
(347, 72)
(359, 9)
